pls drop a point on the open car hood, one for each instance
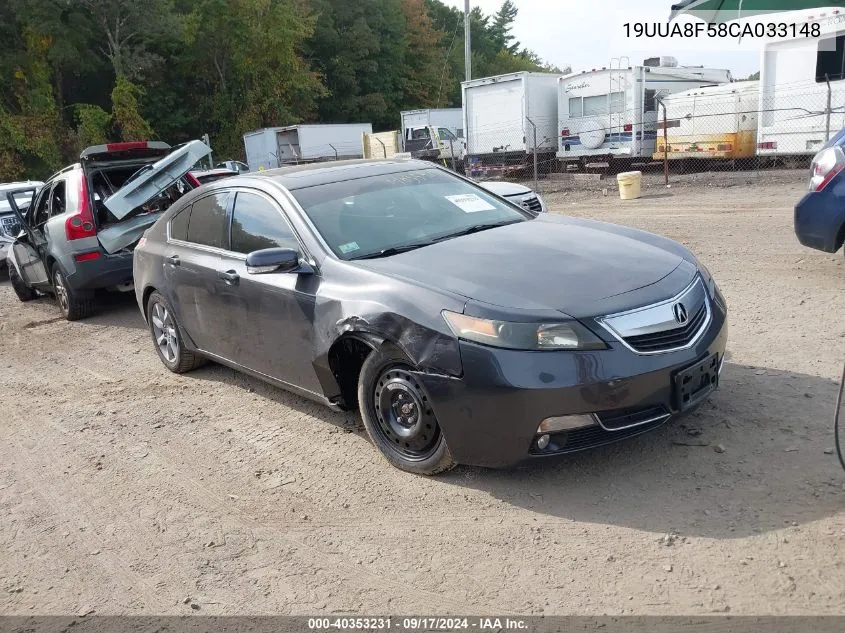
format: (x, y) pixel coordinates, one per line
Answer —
(155, 178)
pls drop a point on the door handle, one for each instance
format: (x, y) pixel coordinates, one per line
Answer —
(173, 260)
(229, 276)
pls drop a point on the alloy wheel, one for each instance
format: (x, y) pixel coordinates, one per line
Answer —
(61, 291)
(164, 331)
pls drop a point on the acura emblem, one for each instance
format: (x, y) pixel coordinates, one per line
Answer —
(680, 313)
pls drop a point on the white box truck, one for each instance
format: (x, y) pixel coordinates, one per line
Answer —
(610, 114)
(504, 115)
(306, 143)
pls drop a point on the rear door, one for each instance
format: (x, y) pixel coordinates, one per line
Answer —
(197, 236)
(151, 180)
(30, 249)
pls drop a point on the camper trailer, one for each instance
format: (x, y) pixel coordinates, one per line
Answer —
(794, 76)
(611, 113)
(716, 122)
(506, 117)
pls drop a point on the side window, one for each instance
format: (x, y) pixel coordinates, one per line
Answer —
(179, 225)
(257, 223)
(39, 214)
(650, 104)
(575, 109)
(207, 224)
(420, 133)
(446, 134)
(830, 59)
(57, 199)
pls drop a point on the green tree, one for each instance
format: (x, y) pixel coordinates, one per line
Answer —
(244, 67)
(500, 29)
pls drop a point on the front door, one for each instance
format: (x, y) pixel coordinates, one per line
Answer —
(30, 249)
(268, 317)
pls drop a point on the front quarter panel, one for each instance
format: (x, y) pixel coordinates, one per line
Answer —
(353, 301)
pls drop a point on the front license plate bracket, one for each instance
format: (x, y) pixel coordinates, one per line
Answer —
(696, 382)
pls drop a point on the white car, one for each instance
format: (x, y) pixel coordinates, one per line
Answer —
(519, 194)
(9, 225)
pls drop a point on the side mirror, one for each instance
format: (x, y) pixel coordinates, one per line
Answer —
(272, 260)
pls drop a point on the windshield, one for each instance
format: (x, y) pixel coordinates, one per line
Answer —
(368, 216)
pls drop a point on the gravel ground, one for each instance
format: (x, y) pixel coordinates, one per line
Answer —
(127, 489)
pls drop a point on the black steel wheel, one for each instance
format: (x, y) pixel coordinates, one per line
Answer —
(398, 415)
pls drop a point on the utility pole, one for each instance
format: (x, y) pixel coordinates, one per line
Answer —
(467, 45)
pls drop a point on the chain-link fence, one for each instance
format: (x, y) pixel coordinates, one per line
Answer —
(735, 131)
(730, 132)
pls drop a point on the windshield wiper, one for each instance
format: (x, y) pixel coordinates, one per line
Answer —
(475, 228)
(393, 250)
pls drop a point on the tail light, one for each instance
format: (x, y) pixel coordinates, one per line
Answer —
(192, 179)
(628, 127)
(81, 224)
(564, 131)
(767, 145)
(724, 147)
(125, 146)
(825, 166)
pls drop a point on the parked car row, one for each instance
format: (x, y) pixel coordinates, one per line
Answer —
(464, 326)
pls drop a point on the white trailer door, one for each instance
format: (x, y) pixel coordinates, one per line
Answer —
(495, 117)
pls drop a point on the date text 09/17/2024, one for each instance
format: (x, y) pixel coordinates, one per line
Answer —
(690, 30)
(417, 624)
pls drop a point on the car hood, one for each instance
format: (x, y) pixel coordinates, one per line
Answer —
(501, 188)
(579, 267)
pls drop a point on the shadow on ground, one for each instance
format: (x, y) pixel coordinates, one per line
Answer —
(757, 457)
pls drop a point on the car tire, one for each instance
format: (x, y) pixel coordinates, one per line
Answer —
(167, 337)
(72, 307)
(398, 416)
(24, 292)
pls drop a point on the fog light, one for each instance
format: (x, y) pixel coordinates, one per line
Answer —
(543, 442)
(565, 422)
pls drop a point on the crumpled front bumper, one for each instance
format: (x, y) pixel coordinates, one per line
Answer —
(490, 415)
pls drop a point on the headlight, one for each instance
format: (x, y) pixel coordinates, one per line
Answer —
(712, 286)
(526, 336)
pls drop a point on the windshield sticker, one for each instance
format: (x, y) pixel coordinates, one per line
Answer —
(348, 247)
(470, 203)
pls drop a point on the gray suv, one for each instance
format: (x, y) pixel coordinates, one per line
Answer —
(79, 229)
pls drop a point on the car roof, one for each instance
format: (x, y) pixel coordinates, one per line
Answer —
(313, 174)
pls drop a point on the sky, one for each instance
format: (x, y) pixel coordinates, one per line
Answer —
(589, 34)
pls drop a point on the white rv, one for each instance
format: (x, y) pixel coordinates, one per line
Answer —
(794, 75)
(715, 122)
(612, 112)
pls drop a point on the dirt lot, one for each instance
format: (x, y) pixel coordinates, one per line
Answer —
(127, 489)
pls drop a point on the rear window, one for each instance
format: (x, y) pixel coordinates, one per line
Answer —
(208, 221)
(179, 225)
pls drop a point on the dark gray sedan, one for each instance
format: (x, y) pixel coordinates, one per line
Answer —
(466, 329)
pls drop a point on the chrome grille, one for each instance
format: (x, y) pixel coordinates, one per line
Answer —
(669, 339)
(532, 204)
(9, 225)
(657, 328)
